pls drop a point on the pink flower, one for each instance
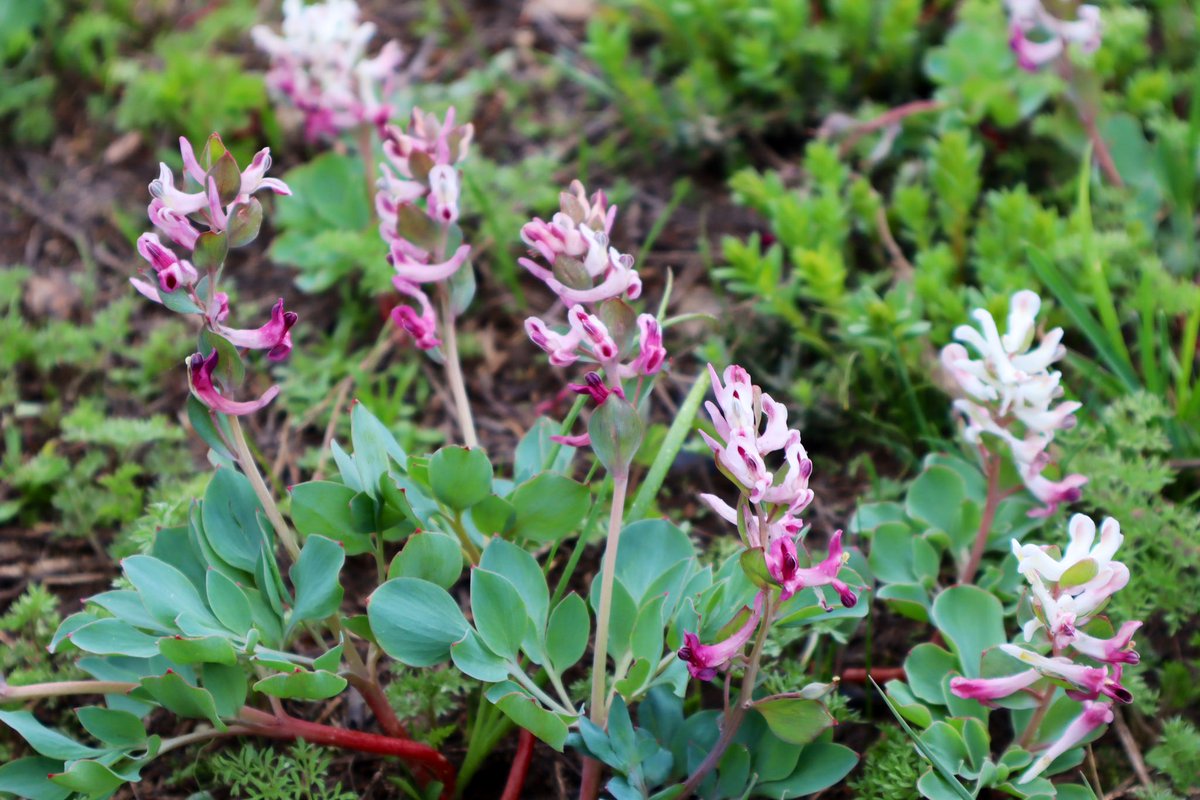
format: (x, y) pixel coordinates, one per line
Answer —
(651, 354)
(703, 660)
(1094, 715)
(740, 460)
(200, 371)
(1029, 16)
(319, 64)
(594, 332)
(1116, 650)
(1089, 681)
(415, 271)
(783, 566)
(561, 347)
(173, 274)
(793, 490)
(988, 689)
(422, 327)
(175, 225)
(443, 193)
(274, 337)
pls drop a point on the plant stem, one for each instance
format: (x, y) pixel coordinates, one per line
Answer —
(733, 720)
(202, 734)
(590, 786)
(250, 469)
(992, 466)
(1035, 722)
(284, 726)
(515, 785)
(366, 149)
(681, 426)
(454, 375)
(38, 691)
(599, 714)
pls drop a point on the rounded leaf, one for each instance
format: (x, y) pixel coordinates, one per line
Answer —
(415, 621)
(460, 477)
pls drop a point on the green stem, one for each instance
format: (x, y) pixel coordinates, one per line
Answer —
(590, 785)
(454, 375)
(567, 424)
(40, 691)
(599, 714)
(676, 434)
(576, 552)
(250, 469)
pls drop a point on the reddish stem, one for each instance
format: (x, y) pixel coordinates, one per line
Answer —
(520, 767)
(992, 465)
(887, 118)
(377, 701)
(879, 674)
(289, 727)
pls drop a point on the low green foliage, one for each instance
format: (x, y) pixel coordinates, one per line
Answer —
(250, 772)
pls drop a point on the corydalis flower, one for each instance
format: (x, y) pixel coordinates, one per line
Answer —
(1009, 392)
(172, 273)
(420, 169)
(1039, 38)
(703, 660)
(1095, 715)
(275, 336)
(319, 64)
(1080, 583)
(740, 445)
(171, 206)
(583, 268)
(785, 569)
(200, 379)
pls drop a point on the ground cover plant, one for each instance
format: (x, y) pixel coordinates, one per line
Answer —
(713, 399)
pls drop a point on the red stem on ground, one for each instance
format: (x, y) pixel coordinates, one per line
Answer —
(520, 767)
(879, 674)
(380, 707)
(416, 754)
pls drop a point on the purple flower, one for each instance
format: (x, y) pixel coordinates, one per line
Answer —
(200, 372)
(703, 660)
(275, 337)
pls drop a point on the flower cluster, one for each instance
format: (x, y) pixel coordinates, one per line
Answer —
(1067, 593)
(750, 425)
(319, 64)
(420, 168)
(220, 214)
(1010, 393)
(593, 280)
(1051, 34)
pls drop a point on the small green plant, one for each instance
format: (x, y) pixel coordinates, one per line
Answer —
(29, 625)
(250, 772)
(891, 767)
